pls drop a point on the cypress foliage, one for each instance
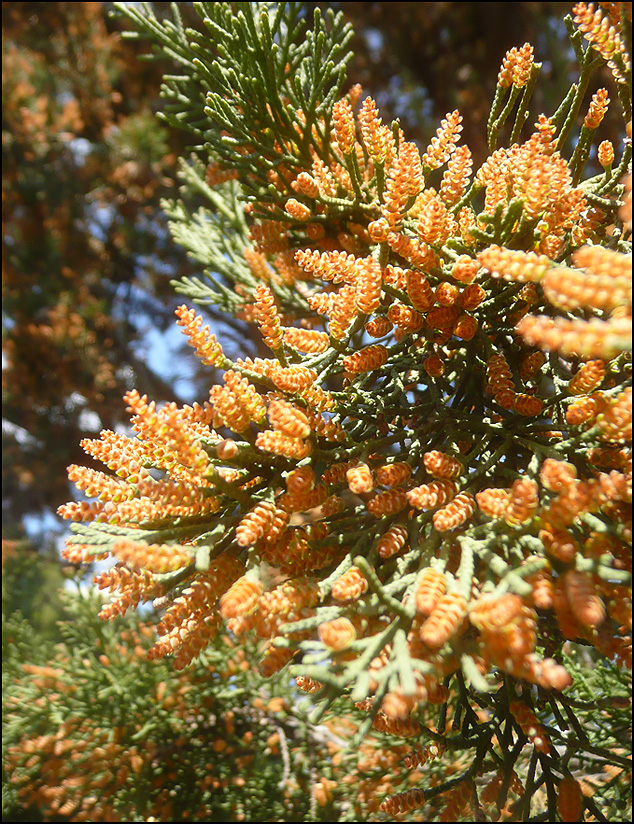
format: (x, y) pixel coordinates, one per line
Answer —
(418, 504)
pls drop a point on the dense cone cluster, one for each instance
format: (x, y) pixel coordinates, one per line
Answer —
(431, 473)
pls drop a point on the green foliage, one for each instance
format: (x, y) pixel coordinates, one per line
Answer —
(31, 584)
(125, 740)
(140, 139)
(254, 59)
(214, 235)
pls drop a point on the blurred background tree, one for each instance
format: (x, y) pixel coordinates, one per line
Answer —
(86, 258)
